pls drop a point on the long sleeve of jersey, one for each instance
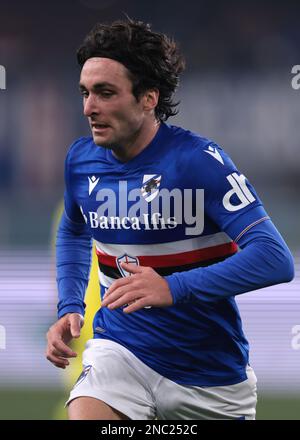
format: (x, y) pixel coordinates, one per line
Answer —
(264, 260)
(73, 254)
(73, 260)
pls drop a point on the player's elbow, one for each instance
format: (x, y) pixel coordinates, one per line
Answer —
(285, 270)
(288, 267)
(279, 263)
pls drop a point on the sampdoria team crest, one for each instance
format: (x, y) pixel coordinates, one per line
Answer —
(125, 258)
(151, 184)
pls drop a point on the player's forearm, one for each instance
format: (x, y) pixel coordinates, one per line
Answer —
(264, 260)
(73, 260)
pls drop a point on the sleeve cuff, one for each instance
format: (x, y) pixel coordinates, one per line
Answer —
(71, 309)
(177, 292)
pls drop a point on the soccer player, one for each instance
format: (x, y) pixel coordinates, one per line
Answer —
(179, 232)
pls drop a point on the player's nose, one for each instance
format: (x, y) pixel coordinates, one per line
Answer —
(90, 106)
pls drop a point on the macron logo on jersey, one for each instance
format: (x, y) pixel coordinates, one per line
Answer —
(240, 190)
(92, 183)
(214, 152)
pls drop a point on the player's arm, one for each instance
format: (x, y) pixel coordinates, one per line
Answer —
(73, 256)
(73, 248)
(232, 203)
(73, 261)
(264, 260)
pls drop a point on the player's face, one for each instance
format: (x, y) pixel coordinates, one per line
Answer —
(115, 116)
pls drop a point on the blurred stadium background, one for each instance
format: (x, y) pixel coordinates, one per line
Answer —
(236, 90)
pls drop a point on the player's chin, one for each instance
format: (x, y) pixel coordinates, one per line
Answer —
(102, 141)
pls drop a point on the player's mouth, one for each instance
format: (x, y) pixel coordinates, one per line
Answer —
(99, 128)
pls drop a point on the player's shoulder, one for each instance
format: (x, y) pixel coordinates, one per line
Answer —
(198, 148)
(81, 149)
(185, 137)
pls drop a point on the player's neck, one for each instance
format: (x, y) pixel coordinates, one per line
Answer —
(140, 141)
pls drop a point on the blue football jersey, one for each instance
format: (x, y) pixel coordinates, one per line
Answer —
(178, 205)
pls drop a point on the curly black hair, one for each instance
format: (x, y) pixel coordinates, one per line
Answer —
(152, 59)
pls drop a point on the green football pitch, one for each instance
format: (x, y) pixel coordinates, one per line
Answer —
(48, 404)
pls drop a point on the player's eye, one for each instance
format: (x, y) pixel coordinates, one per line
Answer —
(107, 93)
(84, 93)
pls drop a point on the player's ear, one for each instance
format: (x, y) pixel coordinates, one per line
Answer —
(150, 99)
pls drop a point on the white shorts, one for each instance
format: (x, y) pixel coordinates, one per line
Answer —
(117, 377)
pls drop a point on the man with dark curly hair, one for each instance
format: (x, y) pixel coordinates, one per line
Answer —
(168, 212)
